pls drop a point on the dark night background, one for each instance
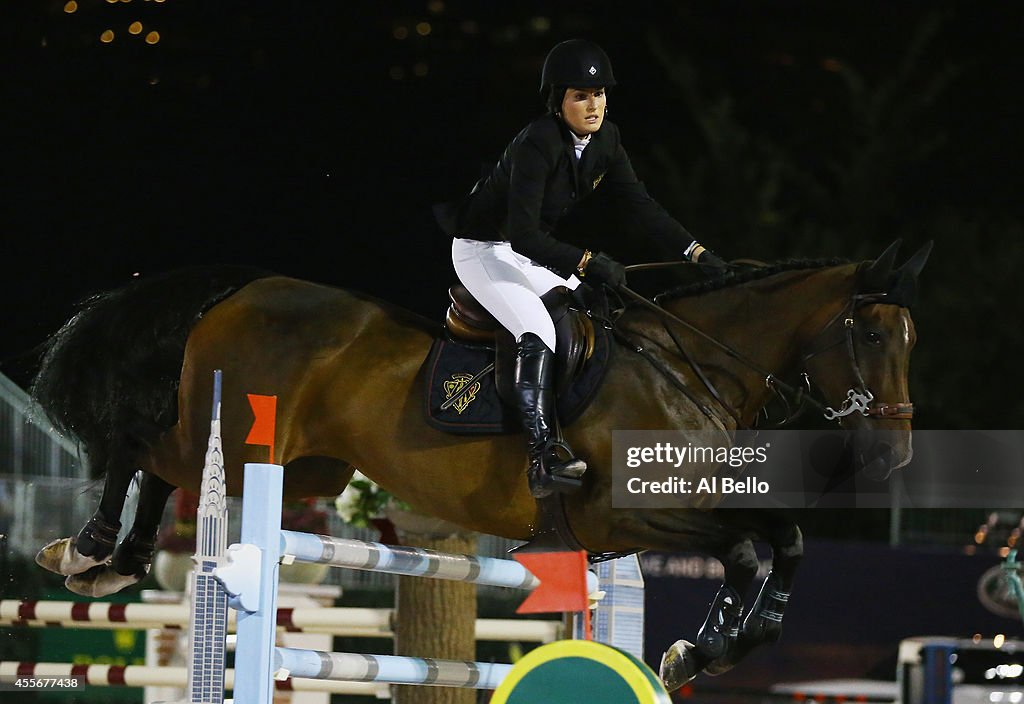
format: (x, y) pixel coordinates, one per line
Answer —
(311, 138)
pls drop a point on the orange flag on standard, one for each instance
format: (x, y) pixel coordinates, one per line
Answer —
(563, 584)
(264, 424)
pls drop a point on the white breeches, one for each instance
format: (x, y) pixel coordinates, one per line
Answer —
(508, 285)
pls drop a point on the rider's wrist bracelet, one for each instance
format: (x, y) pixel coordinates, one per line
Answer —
(582, 266)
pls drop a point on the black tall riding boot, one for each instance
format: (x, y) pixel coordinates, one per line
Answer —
(534, 388)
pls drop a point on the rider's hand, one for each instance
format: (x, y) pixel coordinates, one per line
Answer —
(602, 269)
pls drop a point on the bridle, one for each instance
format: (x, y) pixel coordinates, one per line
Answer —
(859, 398)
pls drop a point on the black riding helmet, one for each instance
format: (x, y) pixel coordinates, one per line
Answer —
(576, 63)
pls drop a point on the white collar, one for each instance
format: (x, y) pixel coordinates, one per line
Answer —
(579, 143)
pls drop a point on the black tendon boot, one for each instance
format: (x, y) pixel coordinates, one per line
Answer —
(716, 639)
(720, 630)
(764, 621)
(534, 389)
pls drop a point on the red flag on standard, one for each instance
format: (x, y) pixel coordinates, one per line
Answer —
(563, 581)
(264, 424)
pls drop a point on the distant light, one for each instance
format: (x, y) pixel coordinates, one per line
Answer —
(979, 537)
(420, 68)
(834, 65)
(990, 673)
(135, 28)
(153, 37)
(1015, 697)
(136, 274)
(153, 80)
(107, 36)
(423, 29)
(400, 32)
(112, 2)
(976, 638)
(1004, 551)
(470, 27)
(540, 25)
(435, 6)
(70, 6)
(998, 641)
(397, 73)
(995, 697)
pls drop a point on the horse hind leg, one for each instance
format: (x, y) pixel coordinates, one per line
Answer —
(131, 560)
(718, 636)
(95, 543)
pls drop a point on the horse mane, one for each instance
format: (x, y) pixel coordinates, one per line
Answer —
(737, 275)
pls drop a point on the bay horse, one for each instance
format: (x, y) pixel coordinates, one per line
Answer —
(130, 376)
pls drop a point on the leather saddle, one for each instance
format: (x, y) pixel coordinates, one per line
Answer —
(469, 322)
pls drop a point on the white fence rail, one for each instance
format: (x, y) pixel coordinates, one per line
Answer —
(29, 446)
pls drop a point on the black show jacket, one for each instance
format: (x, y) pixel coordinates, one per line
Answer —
(538, 181)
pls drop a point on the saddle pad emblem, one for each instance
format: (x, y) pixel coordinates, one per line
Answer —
(598, 180)
(458, 383)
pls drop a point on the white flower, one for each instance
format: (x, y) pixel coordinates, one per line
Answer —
(347, 503)
(362, 501)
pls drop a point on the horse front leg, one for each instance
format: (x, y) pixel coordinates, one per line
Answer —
(763, 622)
(131, 560)
(718, 637)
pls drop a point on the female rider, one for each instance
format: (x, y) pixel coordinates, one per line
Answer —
(506, 249)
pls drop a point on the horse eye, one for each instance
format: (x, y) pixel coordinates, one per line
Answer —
(873, 337)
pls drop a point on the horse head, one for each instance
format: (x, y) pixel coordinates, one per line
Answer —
(864, 362)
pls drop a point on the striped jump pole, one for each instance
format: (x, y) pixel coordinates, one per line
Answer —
(391, 669)
(340, 621)
(156, 676)
(409, 561)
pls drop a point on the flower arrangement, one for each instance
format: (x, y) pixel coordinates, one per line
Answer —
(363, 502)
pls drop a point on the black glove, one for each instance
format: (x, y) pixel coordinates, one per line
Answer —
(709, 258)
(602, 269)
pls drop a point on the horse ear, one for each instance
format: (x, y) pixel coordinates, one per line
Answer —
(879, 273)
(913, 266)
(903, 291)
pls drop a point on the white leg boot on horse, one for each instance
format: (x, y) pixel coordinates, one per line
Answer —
(93, 565)
(534, 389)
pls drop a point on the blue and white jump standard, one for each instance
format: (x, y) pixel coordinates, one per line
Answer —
(250, 575)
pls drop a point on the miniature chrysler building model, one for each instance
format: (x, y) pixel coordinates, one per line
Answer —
(209, 625)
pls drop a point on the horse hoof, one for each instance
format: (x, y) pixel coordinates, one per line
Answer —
(678, 665)
(61, 557)
(101, 581)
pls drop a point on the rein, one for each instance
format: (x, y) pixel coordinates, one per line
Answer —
(858, 399)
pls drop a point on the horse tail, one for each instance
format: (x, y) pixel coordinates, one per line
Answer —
(110, 375)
